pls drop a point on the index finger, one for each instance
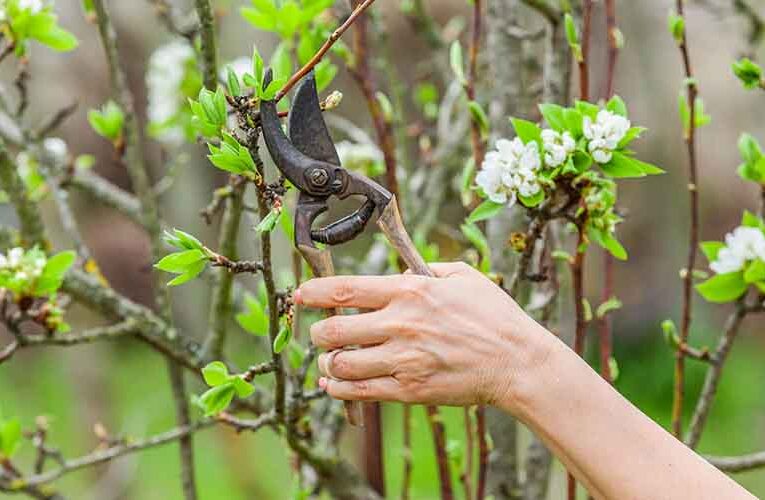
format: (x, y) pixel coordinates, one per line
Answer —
(364, 292)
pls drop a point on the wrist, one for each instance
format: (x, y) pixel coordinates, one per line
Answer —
(529, 367)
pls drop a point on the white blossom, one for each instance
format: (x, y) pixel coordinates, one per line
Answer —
(557, 147)
(33, 6)
(510, 171)
(605, 134)
(56, 147)
(168, 67)
(744, 244)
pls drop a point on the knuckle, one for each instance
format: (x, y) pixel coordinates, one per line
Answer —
(327, 333)
(341, 367)
(414, 288)
(361, 389)
(343, 293)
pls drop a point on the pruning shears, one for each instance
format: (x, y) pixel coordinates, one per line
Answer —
(309, 160)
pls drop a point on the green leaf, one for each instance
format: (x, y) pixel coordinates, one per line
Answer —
(670, 333)
(632, 134)
(574, 122)
(53, 274)
(554, 115)
(272, 89)
(179, 262)
(479, 241)
(755, 272)
(532, 201)
(108, 121)
(325, 73)
(616, 105)
(711, 249)
(587, 310)
(234, 87)
(295, 355)
(479, 117)
(527, 131)
(258, 68)
(456, 62)
(749, 147)
(612, 304)
(242, 387)
(723, 287)
(749, 72)
(282, 339)
(607, 241)
(182, 240)
(255, 320)
(484, 211)
(751, 220)
(281, 62)
(258, 19)
(623, 166)
(217, 399)
(676, 26)
(10, 437)
(192, 272)
(215, 374)
(56, 38)
(571, 33)
(269, 222)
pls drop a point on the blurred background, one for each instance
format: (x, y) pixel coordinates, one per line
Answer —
(123, 385)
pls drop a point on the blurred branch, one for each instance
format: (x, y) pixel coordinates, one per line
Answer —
(150, 216)
(221, 295)
(187, 27)
(693, 233)
(99, 189)
(102, 456)
(714, 373)
(207, 32)
(741, 463)
(32, 230)
(551, 13)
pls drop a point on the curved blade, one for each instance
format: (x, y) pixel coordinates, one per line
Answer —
(307, 128)
(291, 162)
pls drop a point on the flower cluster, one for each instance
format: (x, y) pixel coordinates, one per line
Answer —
(605, 134)
(558, 147)
(742, 246)
(510, 171)
(22, 266)
(172, 77)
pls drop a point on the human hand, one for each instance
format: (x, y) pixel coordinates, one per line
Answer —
(457, 339)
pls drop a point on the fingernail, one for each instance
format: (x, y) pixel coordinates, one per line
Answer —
(296, 297)
(323, 383)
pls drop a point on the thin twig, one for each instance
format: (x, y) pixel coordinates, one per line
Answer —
(207, 35)
(714, 374)
(483, 452)
(743, 463)
(693, 234)
(316, 59)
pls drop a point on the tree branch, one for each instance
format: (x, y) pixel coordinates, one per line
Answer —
(207, 34)
(741, 463)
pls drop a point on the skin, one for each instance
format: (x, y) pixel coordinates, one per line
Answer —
(458, 339)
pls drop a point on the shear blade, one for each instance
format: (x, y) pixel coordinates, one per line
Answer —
(307, 129)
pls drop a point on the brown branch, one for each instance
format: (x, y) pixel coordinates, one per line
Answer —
(439, 439)
(483, 452)
(743, 463)
(475, 46)
(316, 59)
(577, 272)
(362, 73)
(584, 63)
(207, 35)
(467, 474)
(693, 236)
(714, 374)
(406, 482)
(605, 331)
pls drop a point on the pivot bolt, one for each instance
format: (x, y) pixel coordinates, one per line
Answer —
(319, 177)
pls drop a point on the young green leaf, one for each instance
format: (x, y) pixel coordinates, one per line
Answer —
(479, 117)
(53, 274)
(484, 211)
(282, 339)
(182, 240)
(269, 222)
(179, 262)
(108, 121)
(192, 271)
(749, 72)
(676, 26)
(243, 388)
(10, 437)
(255, 320)
(617, 105)
(527, 131)
(234, 87)
(670, 333)
(479, 241)
(755, 271)
(456, 62)
(554, 116)
(723, 288)
(711, 249)
(612, 304)
(215, 374)
(217, 399)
